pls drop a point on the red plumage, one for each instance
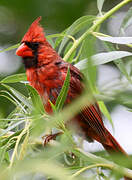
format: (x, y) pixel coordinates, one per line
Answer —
(46, 72)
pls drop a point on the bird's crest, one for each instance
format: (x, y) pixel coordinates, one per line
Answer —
(35, 32)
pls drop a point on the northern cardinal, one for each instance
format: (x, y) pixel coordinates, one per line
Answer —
(46, 72)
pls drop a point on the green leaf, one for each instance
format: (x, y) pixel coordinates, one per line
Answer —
(59, 39)
(63, 94)
(119, 62)
(7, 139)
(75, 27)
(36, 99)
(10, 99)
(125, 99)
(53, 106)
(51, 42)
(14, 78)
(127, 21)
(10, 48)
(100, 5)
(15, 101)
(12, 127)
(105, 111)
(90, 71)
(19, 96)
(103, 58)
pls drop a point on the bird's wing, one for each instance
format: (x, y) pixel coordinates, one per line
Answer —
(92, 114)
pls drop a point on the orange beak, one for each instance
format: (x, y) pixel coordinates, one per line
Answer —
(24, 51)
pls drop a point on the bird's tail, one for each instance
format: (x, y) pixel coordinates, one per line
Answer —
(112, 146)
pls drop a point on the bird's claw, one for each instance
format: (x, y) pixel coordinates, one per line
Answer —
(47, 138)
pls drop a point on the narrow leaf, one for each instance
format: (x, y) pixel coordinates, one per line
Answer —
(12, 127)
(119, 62)
(75, 27)
(103, 58)
(9, 99)
(24, 146)
(116, 40)
(100, 5)
(63, 94)
(53, 106)
(19, 95)
(10, 48)
(14, 78)
(81, 64)
(106, 57)
(36, 99)
(105, 111)
(127, 21)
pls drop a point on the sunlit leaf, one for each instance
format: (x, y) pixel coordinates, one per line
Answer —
(100, 5)
(53, 106)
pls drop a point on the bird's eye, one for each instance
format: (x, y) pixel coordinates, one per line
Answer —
(28, 43)
(32, 45)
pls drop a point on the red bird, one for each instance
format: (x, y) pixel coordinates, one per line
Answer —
(46, 72)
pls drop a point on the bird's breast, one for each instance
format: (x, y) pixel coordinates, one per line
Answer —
(47, 82)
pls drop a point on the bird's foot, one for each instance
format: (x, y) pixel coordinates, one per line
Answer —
(47, 138)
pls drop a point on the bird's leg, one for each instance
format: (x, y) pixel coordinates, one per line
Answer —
(50, 137)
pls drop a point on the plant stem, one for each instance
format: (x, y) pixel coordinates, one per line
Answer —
(14, 154)
(99, 161)
(109, 166)
(99, 21)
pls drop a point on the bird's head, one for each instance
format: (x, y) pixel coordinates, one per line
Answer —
(32, 40)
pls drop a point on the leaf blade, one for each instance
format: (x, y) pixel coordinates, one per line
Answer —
(100, 5)
(14, 78)
(116, 40)
(63, 94)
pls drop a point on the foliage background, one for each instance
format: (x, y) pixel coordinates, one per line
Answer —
(15, 17)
